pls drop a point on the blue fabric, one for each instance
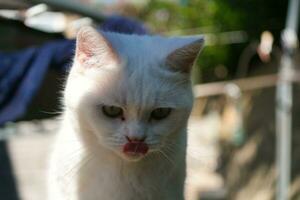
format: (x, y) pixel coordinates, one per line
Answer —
(22, 73)
(121, 24)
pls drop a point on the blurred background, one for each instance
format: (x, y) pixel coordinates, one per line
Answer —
(233, 150)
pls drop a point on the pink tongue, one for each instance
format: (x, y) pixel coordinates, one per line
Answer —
(136, 147)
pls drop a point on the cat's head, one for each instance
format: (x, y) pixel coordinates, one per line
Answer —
(133, 93)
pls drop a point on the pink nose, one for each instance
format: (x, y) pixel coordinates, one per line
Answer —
(135, 139)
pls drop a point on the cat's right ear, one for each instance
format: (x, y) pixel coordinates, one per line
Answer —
(90, 46)
(183, 58)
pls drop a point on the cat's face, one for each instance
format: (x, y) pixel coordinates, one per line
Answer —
(134, 96)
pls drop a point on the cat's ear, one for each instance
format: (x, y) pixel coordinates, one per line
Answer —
(182, 59)
(92, 44)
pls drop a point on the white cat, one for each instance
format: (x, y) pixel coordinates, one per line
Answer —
(127, 101)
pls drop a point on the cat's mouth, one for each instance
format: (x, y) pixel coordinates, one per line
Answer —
(135, 149)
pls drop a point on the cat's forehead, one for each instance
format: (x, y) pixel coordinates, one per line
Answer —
(133, 49)
(144, 48)
(144, 89)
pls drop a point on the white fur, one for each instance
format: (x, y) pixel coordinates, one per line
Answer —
(87, 162)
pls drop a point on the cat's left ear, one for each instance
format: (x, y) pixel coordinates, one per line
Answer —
(92, 46)
(183, 58)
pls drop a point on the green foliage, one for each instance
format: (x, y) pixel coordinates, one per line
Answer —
(215, 16)
(197, 17)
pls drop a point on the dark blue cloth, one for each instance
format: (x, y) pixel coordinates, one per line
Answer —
(22, 73)
(121, 24)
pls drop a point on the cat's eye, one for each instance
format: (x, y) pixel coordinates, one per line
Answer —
(112, 111)
(160, 113)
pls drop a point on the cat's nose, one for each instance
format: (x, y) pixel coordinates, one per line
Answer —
(135, 138)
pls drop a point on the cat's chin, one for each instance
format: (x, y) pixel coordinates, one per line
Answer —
(132, 157)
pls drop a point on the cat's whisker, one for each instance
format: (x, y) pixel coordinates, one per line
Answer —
(170, 148)
(193, 151)
(73, 158)
(75, 152)
(78, 166)
(114, 144)
(153, 143)
(113, 141)
(107, 139)
(76, 170)
(173, 144)
(155, 155)
(166, 156)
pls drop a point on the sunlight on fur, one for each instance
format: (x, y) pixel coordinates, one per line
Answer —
(124, 128)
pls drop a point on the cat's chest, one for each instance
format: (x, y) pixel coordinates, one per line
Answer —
(116, 183)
